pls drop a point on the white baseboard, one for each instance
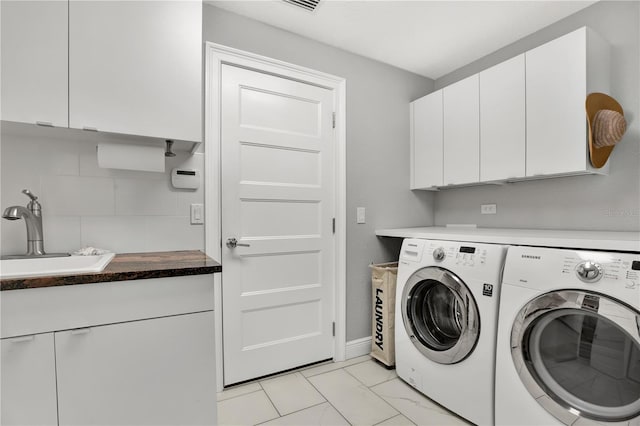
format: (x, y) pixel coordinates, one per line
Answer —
(358, 347)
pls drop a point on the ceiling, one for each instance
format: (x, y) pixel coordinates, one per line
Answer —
(429, 38)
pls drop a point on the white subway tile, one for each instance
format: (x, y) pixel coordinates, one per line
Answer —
(77, 196)
(44, 153)
(173, 233)
(145, 198)
(61, 233)
(14, 237)
(120, 234)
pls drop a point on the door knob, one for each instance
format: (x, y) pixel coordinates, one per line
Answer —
(233, 243)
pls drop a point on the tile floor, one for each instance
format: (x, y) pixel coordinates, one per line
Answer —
(358, 391)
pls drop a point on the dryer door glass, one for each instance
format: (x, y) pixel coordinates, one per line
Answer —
(440, 315)
(583, 351)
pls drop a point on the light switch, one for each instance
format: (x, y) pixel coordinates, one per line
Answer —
(360, 215)
(197, 214)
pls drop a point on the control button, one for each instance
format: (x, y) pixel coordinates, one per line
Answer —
(589, 272)
(438, 254)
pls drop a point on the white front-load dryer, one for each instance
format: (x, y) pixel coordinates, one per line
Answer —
(569, 338)
(446, 322)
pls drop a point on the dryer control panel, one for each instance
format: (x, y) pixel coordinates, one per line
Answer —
(544, 269)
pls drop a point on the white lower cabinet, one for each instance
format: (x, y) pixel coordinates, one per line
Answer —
(139, 352)
(28, 380)
(157, 371)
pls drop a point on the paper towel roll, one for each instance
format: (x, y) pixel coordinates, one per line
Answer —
(131, 157)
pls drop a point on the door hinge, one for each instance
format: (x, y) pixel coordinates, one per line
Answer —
(333, 225)
(334, 329)
(334, 120)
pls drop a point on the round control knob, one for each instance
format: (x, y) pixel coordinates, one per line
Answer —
(438, 254)
(589, 272)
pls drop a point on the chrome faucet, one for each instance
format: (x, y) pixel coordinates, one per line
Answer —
(32, 215)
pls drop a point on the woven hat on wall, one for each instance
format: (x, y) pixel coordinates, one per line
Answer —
(606, 126)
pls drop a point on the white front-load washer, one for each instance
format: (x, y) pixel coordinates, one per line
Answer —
(568, 338)
(446, 322)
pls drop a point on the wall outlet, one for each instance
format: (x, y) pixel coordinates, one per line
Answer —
(360, 215)
(489, 208)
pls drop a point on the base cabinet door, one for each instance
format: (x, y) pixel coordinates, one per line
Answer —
(28, 381)
(152, 372)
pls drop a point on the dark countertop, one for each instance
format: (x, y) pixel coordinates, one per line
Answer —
(128, 266)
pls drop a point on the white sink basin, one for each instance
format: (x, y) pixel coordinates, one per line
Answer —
(36, 267)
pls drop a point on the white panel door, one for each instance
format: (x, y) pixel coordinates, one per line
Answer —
(462, 132)
(135, 67)
(28, 381)
(556, 90)
(426, 141)
(278, 202)
(35, 62)
(152, 372)
(502, 121)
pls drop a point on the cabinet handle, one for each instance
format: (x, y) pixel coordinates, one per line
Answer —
(89, 129)
(79, 331)
(23, 339)
(44, 123)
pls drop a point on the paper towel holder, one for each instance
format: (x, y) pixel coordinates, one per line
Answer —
(168, 152)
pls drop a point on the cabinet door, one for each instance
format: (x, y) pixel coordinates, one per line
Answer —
(426, 141)
(556, 91)
(150, 372)
(462, 132)
(34, 61)
(502, 121)
(28, 381)
(135, 67)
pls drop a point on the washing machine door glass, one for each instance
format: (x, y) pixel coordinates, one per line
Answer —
(581, 353)
(440, 315)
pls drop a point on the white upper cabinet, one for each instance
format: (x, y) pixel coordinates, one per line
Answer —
(426, 141)
(502, 121)
(559, 75)
(462, 132)
(34, 62)
(521, 119)
(135, 67)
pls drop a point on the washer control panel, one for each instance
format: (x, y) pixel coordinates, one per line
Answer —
(458, 254)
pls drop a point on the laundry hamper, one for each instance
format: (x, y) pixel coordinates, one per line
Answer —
(383, 298)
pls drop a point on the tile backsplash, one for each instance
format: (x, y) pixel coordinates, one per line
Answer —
(84, 205)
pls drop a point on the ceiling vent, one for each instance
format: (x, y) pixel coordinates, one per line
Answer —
(309, 5)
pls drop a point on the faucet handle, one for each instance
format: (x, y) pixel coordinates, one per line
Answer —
(29, 194)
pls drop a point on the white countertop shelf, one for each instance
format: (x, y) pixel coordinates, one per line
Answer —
(594, 240)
